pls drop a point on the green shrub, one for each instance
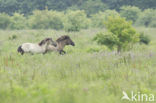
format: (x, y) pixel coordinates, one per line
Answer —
(107, 38)
(18, 21)
(147, 18)
(130, 12)
(144, 38)
(120, 34)
(13, 37)
(153, 22)
(4, 21)
(46, 20)
(76, 20)
(98, 19)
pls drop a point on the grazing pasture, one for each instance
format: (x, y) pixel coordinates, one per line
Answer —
(87, 73)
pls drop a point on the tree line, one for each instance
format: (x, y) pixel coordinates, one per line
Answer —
(26, 7)
(75, 20)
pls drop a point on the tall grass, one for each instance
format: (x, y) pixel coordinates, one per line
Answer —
(88, 73)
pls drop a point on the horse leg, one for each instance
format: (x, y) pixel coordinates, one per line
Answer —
(62, 52)
(31, 53)
(45, 52)
(22, 53)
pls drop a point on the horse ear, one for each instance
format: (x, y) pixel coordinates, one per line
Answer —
(50, 39)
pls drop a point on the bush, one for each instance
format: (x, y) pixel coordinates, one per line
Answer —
(98, 19)
(144, 38)
(107, 38)
(4, 21)
(18, 21)
(120, 34)
(147, 18)
(130, 12)
(13, 37)
(76, 20)
(46, 20)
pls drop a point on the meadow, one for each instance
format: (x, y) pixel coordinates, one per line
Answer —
(88, 73)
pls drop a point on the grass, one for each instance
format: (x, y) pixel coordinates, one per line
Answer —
(88, 73)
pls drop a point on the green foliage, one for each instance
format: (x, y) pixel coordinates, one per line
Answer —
(143, 4)
(18, 21)
(144, 38)
(4, 21)
(76, 20)
(107, 39)
(13, 37)
(46, 20)
(9, 6)
(147, 18)
(98, 19)
(130, 12)
(120, 34)
(73, 20)
(92, 6)
(26, 7)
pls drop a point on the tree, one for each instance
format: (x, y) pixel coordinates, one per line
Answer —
(93, 6)
(4, 21)
(90, 6)
(76, 20)
(130, 12)
(46, 20)
(9, 6)
(98, 19)
(142, 4)
(147, 18)
(120, 34)
(18, 21)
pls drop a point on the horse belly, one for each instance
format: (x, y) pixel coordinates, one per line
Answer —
(37, 49)
(32, 48)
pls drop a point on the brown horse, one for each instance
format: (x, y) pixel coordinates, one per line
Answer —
(61, 43)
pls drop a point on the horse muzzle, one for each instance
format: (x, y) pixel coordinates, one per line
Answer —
(73, 44)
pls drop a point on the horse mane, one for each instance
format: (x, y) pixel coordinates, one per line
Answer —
(44, 41)
(64, 37)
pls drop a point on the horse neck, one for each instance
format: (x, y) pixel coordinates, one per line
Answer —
(44, 46)
(60, 45)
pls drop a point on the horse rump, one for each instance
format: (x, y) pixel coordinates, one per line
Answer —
(20, 50)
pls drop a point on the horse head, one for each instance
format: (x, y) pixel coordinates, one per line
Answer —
(65, 39)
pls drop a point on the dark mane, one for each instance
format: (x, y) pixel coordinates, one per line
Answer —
(64, 37)
(44, 41)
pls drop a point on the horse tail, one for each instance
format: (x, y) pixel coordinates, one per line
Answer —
(20, 50)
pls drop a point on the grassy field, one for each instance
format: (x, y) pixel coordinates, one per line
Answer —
(88, 73)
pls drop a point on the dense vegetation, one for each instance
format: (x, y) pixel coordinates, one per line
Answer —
(90, 6)
(88, 73)
(73, 15)
(75, 20)
(120, 34)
